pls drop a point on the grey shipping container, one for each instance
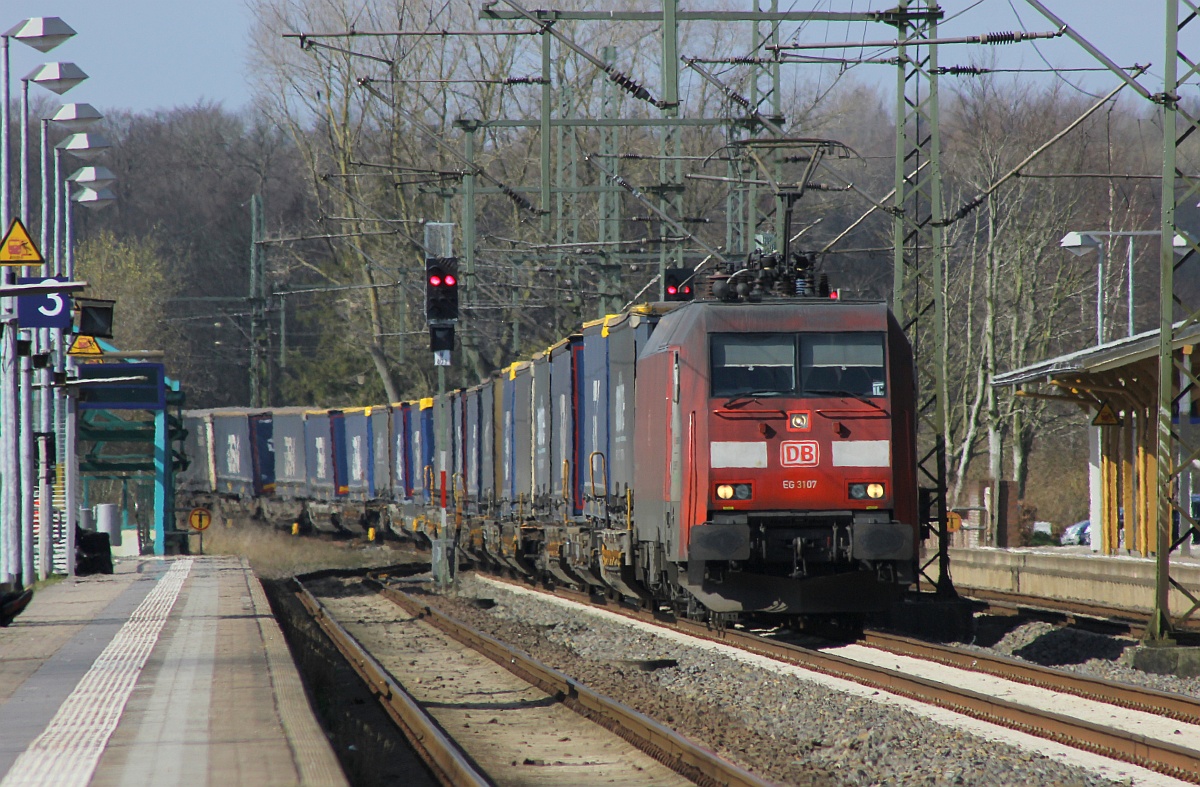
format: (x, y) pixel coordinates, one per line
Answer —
(291, 470)
(564, 460)
(381, 451)
(543, 431)
(319, 454)
(487, 443)
(197, 477)
(231, 449)
(471, 444)
(625, 340)
(358, 453)
(594, 399)
(523, 436)
(456, 438)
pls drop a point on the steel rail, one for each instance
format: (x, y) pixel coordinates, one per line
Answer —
(450, 766)
(1167, 758)
(664, 744)
(1125, 695)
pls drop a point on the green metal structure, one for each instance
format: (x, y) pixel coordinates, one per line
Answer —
(138, 452)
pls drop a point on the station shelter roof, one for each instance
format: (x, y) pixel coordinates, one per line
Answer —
(1119, 379)
(1127, 366)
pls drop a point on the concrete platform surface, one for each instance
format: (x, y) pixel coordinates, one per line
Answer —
(1073, 574)
(169, 671)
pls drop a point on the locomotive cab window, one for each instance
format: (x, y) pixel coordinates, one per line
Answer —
(842, 363)
(759, 363)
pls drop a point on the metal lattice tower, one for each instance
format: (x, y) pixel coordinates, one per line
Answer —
(919, 263)
(1177, 381)
(743, 216)
(766, 98)
(609, 204)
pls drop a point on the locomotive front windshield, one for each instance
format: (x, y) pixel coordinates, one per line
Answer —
(760, 363)
(788, 364)
(841, 364)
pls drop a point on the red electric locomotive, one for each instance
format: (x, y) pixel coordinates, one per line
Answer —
(776, 456)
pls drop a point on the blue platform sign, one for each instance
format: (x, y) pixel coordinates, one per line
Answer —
(52, 310)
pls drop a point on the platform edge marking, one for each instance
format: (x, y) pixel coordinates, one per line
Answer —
(68, 750)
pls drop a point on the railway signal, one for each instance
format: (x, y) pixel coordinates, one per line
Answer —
(441, 338)
(441, 289)
(679, 285)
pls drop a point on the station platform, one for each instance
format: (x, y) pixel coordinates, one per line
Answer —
(169, 671)
(1072, 574)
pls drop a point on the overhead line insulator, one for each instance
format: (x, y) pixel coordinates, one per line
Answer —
(963, 70)
(1009, 37)
(627, 83)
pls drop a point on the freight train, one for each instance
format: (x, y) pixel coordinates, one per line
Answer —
(719, 456)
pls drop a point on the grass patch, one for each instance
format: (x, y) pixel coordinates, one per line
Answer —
(277, 555)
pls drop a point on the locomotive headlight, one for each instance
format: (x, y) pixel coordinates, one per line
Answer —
(874, 491)
(858, 491)
(725, 491)
(741, 491)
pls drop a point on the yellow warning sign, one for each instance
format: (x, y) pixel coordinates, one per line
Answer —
(17, 247)
(200, 518)
(1106, 417)
(953, 522)
(85, 345)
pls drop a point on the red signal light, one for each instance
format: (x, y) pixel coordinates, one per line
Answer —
(835, 295)
(450, 280)
(435, 280)
(677, 284)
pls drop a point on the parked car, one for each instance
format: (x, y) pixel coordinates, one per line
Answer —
(1078, 533)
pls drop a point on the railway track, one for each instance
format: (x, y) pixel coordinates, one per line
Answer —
(1079, 614)
(1162, 703)
(469, 703)
(898, 661)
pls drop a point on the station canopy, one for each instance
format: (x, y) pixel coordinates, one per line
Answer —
(1125, 367)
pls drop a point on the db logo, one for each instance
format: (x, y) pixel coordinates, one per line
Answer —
(799, 453)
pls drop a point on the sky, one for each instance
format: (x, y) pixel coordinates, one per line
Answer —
(143, 54)
(158, 54)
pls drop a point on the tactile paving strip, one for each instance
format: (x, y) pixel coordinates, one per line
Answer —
(66, 752)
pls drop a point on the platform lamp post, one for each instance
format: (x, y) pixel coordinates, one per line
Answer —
(74, 117)
(43, 34)
(58, 78)
(82, 145)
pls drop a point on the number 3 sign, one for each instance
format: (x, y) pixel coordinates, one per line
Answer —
(52, 310)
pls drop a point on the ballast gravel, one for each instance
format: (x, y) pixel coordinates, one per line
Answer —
(785, 729)
(1085, 652)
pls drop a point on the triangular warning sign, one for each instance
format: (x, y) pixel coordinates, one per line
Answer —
(85, 345)
(17, 247)
(1106, 417)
